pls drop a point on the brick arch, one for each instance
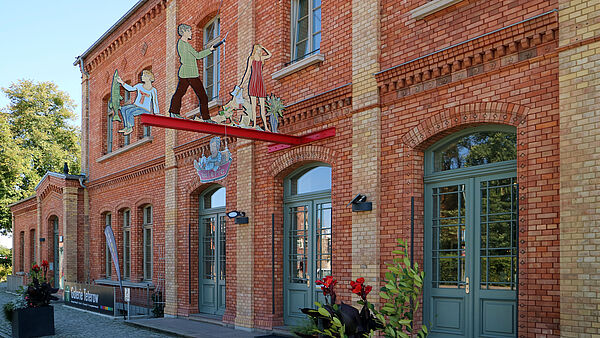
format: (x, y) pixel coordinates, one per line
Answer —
(296, 157)
(142, 202)
(196, 187)
(449, 120)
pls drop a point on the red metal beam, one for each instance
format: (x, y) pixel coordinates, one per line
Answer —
(283, 141)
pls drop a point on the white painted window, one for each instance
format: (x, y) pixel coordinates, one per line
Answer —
(212, 63)
(306, 28)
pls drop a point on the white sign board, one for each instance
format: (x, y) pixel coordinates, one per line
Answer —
(127, 294)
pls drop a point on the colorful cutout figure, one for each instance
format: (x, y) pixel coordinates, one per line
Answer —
(216, 166)
(256, 85)
(146, 100)
(240, 111)
(188, 73)
(114, 104)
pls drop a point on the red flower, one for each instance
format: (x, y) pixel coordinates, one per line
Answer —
(45, 264)
(327, 285)
(36, 268)
(360, 289)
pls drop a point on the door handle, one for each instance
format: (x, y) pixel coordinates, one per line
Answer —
(467, 285)
(307, 280)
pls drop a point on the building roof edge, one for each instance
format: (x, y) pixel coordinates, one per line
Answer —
(114, 27)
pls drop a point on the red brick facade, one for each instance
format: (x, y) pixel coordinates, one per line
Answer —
(470, 64)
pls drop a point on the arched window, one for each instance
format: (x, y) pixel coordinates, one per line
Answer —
(212, 257)
(310, 180)
(214, 199)
(308, 237)
(475, 148)
(471, 231)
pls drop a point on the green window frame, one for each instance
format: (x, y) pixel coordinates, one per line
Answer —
(108, 258)
(147, 239)
(109, 133)
(126, 244)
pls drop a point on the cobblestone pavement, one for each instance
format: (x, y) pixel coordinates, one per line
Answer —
(69, 322)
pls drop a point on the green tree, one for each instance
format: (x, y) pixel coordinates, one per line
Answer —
(35, 137)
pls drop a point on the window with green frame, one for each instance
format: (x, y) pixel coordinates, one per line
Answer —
(108, 263)
(147, 238)
(126, 244)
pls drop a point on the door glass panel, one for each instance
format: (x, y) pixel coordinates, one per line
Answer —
(323, 240)
(222, 247)
(498, 234)
(298, 244)
(208, 241)
(448, 256)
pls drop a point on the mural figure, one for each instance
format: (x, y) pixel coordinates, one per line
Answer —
(256, 86)
(146, 100)
(188, 73)
(216, 166)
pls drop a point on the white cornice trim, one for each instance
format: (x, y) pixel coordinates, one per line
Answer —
(294, 67)
(431, 7)
(128, 147)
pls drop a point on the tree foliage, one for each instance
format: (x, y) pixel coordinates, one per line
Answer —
(35, 137)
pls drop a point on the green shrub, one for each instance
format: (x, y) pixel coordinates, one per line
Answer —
(402, 286)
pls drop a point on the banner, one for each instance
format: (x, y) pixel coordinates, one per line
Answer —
(112, 246)
(96, 298)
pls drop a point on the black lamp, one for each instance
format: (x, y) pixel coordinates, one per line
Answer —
(239, 217)
(359, 203)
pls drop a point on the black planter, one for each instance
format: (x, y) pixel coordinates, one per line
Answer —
(33, 322)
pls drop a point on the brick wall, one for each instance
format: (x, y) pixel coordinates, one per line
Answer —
(384, 121)
(579, 163)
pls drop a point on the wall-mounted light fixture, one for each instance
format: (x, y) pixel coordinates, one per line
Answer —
(359, 203)
(239, 217)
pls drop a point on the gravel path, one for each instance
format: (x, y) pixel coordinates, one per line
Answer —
(70, 322)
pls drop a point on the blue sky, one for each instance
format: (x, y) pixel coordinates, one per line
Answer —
(40, 39)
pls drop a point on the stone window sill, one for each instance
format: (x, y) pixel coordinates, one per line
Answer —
(211, 104)
(128, 147)
(140, 285)
(297, 66)
(431, 7)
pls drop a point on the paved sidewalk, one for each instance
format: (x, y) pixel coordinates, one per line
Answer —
(70, 322)
(194, 328)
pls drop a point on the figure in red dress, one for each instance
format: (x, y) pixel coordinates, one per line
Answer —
(256, 86)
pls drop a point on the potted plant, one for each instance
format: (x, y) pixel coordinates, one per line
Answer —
(31, 314)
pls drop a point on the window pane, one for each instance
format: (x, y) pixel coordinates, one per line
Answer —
(215, 199)
(208, 243)
(476, 149)
(498, 234)
(316, 21)
(298, 244)
(302, 38)
(126, 254)
(315, 179)
(109, 134)
(148, 253)
(126, 139)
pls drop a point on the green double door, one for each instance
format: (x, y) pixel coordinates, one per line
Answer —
(471, 255)
(307, 254)
(211, 298)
